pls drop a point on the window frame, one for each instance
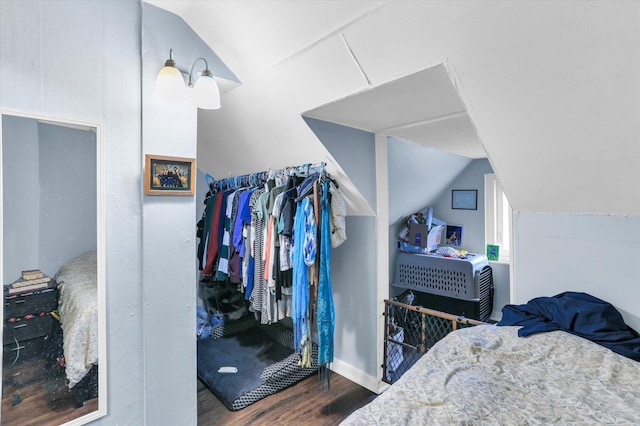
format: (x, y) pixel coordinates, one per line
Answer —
(498, 217)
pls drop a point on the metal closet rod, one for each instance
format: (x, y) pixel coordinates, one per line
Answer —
(257, 178)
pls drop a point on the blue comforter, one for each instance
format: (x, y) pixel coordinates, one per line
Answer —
(576, 313)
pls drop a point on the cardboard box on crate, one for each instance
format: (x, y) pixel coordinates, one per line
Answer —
(420, 236)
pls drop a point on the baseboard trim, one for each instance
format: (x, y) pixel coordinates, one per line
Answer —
(358, 376)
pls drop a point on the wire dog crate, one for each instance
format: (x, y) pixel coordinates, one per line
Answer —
(410, 331)
(461, 286)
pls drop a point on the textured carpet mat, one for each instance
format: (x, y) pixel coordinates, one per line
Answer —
(264, 366)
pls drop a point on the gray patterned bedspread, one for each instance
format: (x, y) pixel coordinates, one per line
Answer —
(487, 375)
(78, 307)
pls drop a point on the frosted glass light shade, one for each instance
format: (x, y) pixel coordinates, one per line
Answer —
(206, 94)
(170, 84)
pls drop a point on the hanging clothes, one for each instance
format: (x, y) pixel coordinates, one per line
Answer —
(326, 314)
(272, 234)
(204, 227)
(213, 243)
(240, 237)
(303, 234)
(272, 246)
(257, 250)
(281, 245)
(338, 215)
(223, 262)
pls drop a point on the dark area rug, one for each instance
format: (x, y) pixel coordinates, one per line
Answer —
(250, 352)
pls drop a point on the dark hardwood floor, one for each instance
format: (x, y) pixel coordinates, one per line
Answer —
(46, 402)
(301, 404)
(32, 398)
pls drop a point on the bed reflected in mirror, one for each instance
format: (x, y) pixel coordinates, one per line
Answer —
(53, 362)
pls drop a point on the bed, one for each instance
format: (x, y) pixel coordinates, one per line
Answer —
(488, 374)
(78, 309)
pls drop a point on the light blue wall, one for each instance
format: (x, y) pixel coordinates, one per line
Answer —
(353, 275)
(473, 221)
(82, 60)
(49, 199)
(21, 200)
(353, 272)
(67, 170)
(472, 177)
(421, 177)
(417, 176)
(169, 228)
(355, 152)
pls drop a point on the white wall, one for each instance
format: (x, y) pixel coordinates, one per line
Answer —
(589, 253)
(551, 88)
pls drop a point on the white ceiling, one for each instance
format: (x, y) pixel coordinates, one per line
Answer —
(545, 84)
(251, 37)
(422, 108)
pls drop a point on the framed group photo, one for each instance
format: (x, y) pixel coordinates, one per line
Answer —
(169, 175)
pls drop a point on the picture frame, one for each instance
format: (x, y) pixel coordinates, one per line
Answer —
(464, 199)
(165, 175)
(493, 252)
(453, 235)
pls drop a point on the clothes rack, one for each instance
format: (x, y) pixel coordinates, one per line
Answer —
(270, 233)
(259, 178)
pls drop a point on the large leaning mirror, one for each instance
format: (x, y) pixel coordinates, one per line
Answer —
(52, 251)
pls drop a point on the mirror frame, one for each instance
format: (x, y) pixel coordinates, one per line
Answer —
(100, 248)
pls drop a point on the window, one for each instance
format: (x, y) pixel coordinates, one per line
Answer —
(497, 217)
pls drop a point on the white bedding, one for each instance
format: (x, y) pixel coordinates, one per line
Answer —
(487, 375)
(78, 308)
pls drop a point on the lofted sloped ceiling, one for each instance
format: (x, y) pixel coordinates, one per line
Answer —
(550, 87)
(252, 36)
(422, 108)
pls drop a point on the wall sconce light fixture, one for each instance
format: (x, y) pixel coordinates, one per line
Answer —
(203, 91)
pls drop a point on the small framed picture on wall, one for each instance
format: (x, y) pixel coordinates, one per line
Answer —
(464, 199)
(169, 175)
